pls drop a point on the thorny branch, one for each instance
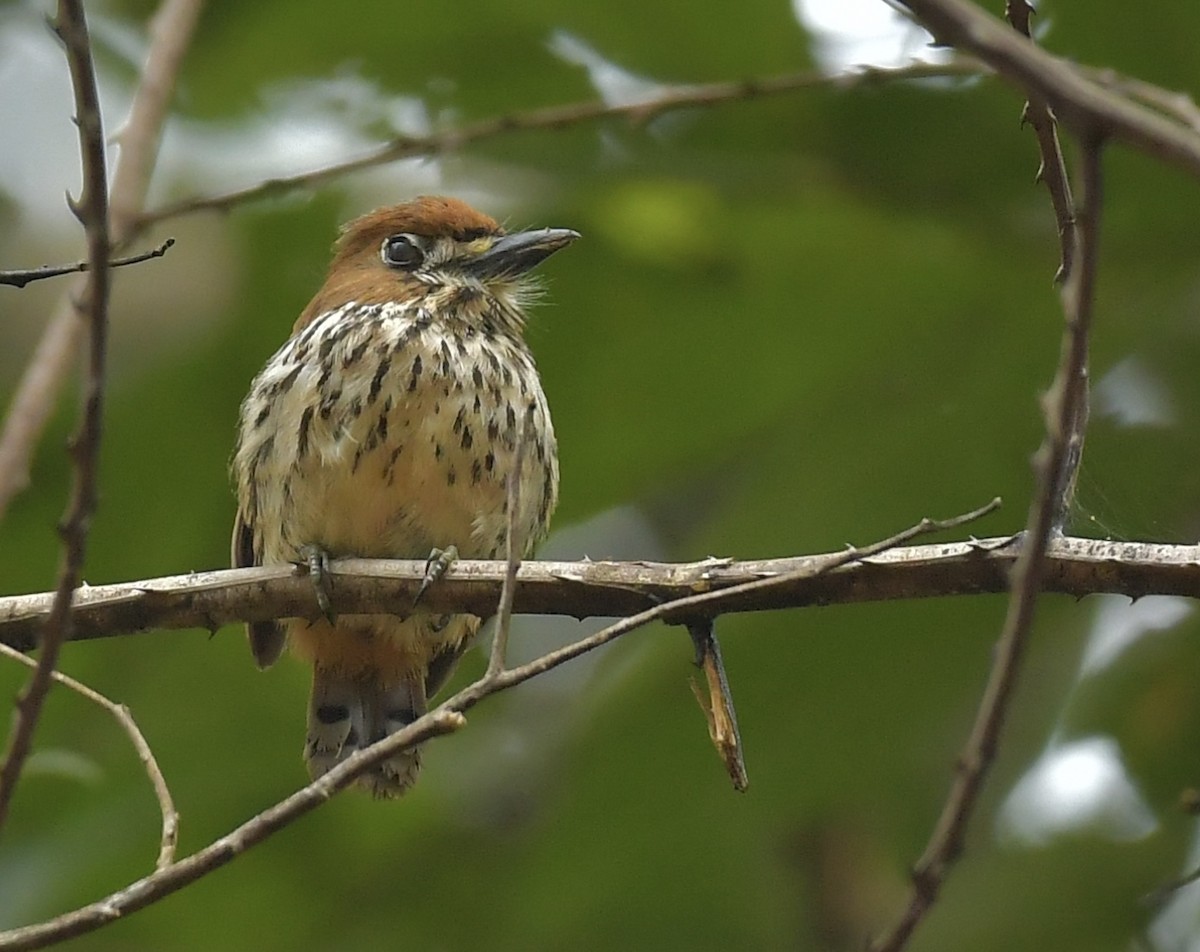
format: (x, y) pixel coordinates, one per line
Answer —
(1081, 99)
(92, 212)
(1053, 171)
(19, 279)
(1063, 414)
(208, 600)
(445, 718)
(37, 392)
(1053, 168)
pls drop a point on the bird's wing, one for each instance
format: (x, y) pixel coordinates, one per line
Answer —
(266, 637)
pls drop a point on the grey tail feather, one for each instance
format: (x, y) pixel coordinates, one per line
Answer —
(266, 641)
(347, 714)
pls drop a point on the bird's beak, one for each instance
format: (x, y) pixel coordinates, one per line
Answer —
(513, 255)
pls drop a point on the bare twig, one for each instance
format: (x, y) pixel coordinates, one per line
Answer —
(1053, 171)
(1170, 102)
(514, 549)
(445, 718)
(37, 392)
(19, 279)
(1168, 889)
(559, 117)
(169, 837)
(92, 211)
(1061, 412)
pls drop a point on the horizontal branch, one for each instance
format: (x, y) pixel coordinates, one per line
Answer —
(211, 599)
(455, 138)
(18, 279)
(1080, 103)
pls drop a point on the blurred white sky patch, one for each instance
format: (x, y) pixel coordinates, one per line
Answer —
(848, 33)
(1081, 785)
(1133, 395)
(616, 85)
(1119, 623)
(1077, 786)
(300, 125)
(36, 103)
(303, 124)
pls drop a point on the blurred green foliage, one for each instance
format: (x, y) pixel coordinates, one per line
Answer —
(791, 323)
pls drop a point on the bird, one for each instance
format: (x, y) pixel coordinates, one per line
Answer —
(387, 426)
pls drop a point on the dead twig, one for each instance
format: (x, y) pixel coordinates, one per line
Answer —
(92, 212)
(1061, 413)
(18, 279)
(1053, 172)
(717, 703)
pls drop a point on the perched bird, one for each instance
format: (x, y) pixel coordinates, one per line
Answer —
(386, 426)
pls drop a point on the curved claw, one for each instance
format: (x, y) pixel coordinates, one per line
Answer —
(435, 567)
(317, 561)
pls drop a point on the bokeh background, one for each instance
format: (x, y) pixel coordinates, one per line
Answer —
(791, 323)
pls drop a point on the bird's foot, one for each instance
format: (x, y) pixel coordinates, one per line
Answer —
(316, 560)
(435, 567)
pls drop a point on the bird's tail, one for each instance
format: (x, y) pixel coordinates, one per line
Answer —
(346, 714)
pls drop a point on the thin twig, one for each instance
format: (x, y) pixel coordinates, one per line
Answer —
(1053, 171)
(19, 279)
(559, 117)
(1061, 412)
(445, 718)
(37, 392)
(1170, 102)
(514, 549)
(1053, 168)
(92, 211)
(169, 837)
(1168, 889)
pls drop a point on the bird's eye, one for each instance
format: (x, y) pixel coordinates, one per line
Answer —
(402, 251)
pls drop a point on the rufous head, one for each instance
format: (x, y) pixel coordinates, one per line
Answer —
(401, 251)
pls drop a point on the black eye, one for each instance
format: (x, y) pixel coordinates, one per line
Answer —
(402, 251)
